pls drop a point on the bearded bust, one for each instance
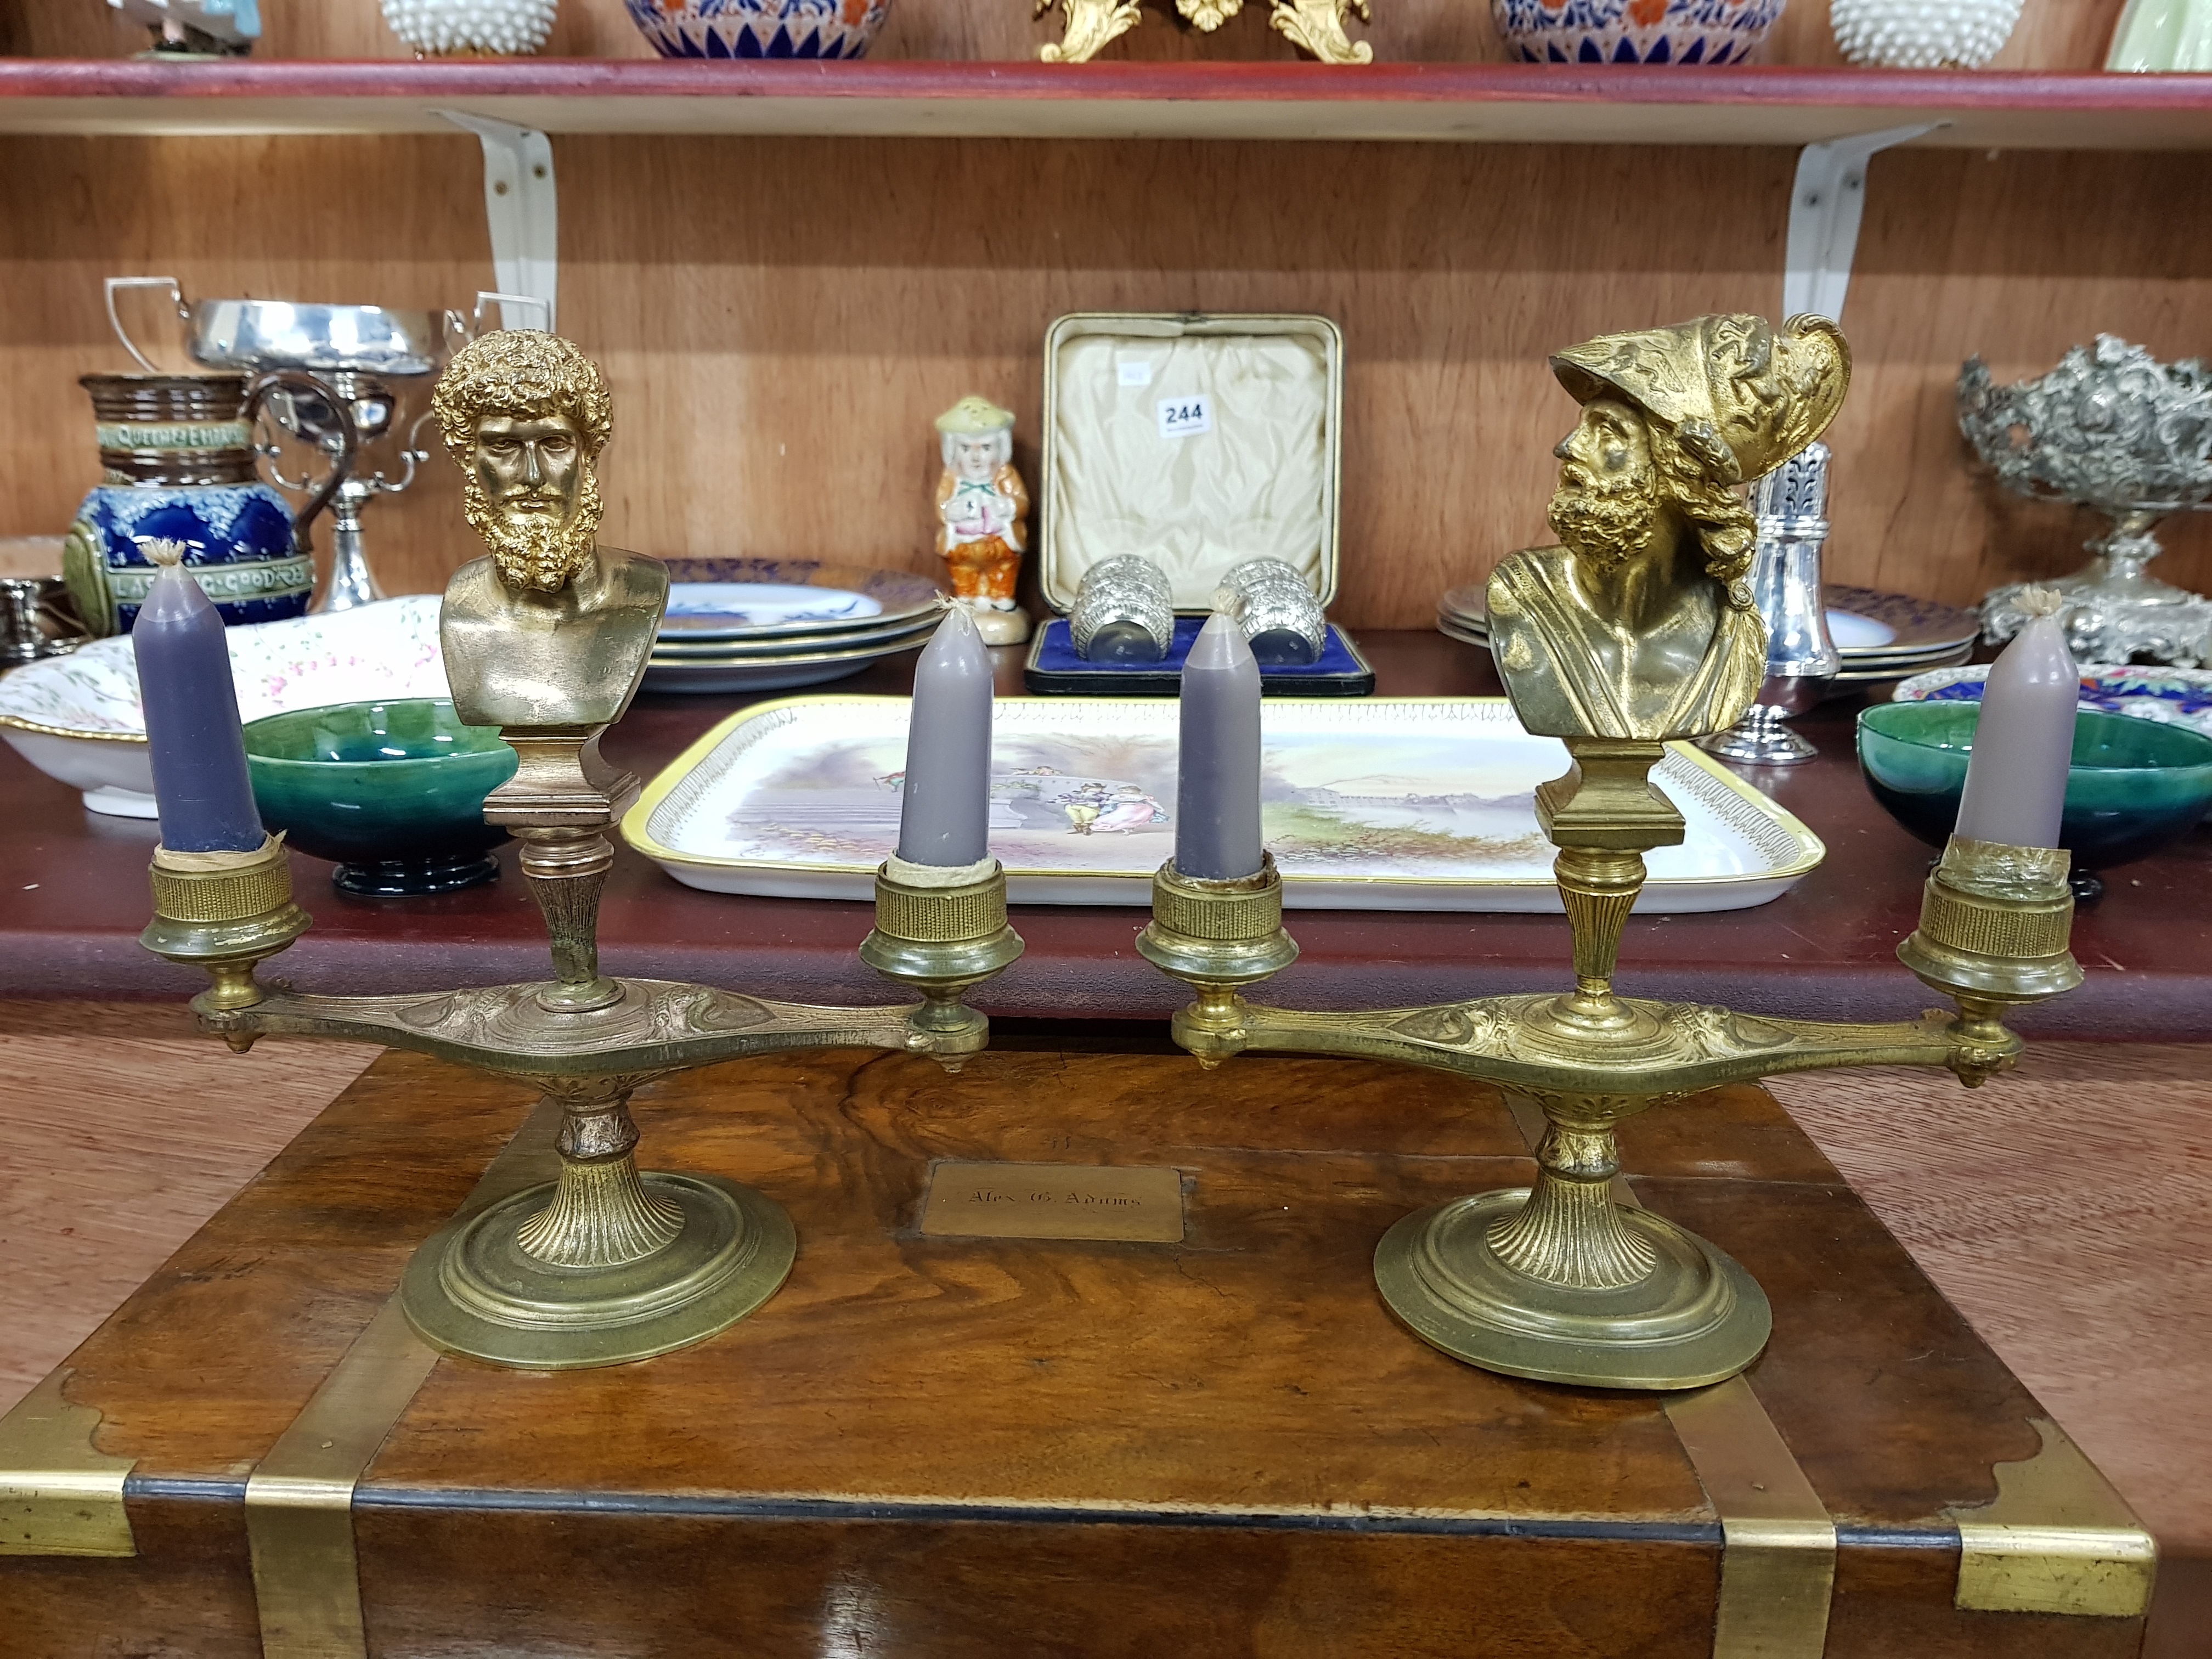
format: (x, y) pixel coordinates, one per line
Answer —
(551, 630)
(1641, 623)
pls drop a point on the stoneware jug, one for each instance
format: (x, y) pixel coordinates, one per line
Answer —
(177, 457)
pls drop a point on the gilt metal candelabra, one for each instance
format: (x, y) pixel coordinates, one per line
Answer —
(1638, 630)
(548, 639)
(1560, 1281)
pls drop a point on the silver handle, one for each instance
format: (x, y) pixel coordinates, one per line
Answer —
(485, 295)
(176, 299)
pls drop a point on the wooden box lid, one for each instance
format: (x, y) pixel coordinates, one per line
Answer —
(930, 1445)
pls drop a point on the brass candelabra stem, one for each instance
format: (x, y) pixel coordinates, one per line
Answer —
(1560, 1281)
(608, 1263)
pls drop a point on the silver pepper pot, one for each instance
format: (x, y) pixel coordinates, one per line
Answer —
(1791, 503)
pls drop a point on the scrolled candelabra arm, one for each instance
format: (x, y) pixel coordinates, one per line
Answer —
(225, 913)
(940, 931)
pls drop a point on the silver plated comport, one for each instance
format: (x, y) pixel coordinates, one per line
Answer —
(2113, 429)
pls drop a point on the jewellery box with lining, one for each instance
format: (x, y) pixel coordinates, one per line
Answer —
(1199, 442)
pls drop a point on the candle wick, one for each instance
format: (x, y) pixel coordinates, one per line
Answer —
(2041, 601)
(163, 553)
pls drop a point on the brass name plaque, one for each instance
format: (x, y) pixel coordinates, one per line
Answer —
(1054, 1201)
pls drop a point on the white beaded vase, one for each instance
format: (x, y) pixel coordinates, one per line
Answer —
(1923, 33)
(470, 28)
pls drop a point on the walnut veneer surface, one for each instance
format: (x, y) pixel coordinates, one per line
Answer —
(1092, 1416)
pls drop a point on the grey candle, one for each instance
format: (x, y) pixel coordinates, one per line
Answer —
(944, 819)
(201, 787)
(1217, 769)
(2015, 788)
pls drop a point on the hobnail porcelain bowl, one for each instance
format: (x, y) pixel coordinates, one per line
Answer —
(1923, 33)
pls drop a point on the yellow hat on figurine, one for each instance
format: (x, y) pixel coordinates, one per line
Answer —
(1740, 396)
(974, 414)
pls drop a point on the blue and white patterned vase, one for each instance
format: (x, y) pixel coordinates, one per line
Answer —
(759, 28)
(1631, 31)
(177, 458)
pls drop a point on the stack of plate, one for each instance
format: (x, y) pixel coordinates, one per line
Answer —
(1880, 636)
(773, 625)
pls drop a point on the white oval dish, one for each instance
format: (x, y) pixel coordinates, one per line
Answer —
(77, 718)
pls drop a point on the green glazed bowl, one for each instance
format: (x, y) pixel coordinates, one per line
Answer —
(392, 793)
(2134, 786)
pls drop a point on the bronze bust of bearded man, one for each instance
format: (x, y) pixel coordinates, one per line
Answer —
(1641, 625)
(551, 630)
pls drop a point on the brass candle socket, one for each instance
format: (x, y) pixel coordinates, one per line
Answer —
(1563, 1281)
(608, 1263)
(226, 913)
(1216, 936)
(940, 931)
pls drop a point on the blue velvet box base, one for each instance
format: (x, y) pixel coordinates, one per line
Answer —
(1054, 669)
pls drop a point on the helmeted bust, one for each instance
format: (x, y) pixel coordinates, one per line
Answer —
(551, 630)
(1641, 625)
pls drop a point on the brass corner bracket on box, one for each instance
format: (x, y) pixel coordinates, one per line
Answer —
(1559, 1281)
(610, 1263)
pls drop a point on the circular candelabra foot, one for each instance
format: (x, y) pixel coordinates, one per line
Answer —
(1696, 1318)
(473, 1289)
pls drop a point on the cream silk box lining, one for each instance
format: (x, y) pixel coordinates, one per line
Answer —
(1259, 483)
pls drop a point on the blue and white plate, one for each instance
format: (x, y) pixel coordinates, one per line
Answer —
(758, 599)
(753, 606)
(2177, 696)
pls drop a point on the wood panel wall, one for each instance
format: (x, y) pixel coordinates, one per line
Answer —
(781, 319)
(2052, 34)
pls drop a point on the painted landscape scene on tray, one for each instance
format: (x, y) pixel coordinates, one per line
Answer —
(1335, 804)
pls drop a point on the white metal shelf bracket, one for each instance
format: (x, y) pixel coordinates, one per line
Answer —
(522, 205)
(1825, 205)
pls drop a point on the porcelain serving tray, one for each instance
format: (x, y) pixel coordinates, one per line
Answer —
(1384, 804)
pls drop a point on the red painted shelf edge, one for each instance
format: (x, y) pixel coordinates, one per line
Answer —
(1227, 83)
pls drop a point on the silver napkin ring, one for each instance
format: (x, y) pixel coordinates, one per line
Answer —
(1124, 611)
(1276, 609)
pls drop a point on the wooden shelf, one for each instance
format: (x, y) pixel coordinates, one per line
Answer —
(1489, 103)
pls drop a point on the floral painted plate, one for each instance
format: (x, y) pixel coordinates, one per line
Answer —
(1387, 803)
(2177, 696)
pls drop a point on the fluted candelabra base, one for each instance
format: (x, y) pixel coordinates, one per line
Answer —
(607, 1264)
(480, 1288)
(1691, 1316)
